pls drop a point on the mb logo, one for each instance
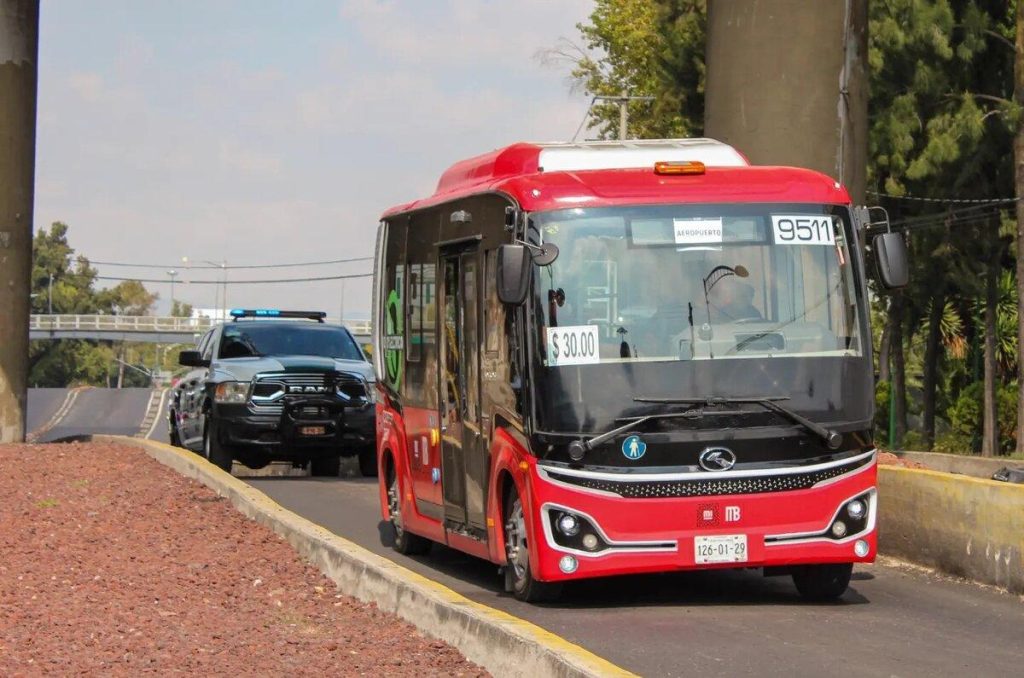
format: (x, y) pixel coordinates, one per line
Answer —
(732, 514)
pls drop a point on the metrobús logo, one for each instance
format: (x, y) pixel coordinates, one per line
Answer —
(394, 342)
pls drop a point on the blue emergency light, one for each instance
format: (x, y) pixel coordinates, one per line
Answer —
(237, 313)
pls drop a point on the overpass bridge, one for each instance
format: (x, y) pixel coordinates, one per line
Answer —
(143, 329)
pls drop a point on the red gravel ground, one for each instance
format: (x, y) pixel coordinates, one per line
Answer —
(112, 564)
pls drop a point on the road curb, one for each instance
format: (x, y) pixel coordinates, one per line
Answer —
(500, 642)
(967, 527)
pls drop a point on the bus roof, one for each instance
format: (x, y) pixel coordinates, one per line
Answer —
(607, 173)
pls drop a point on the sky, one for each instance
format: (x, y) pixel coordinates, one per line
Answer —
(278, 131)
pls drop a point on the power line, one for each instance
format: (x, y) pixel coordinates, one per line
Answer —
(126, 264)
(238, 282)
(950, 201)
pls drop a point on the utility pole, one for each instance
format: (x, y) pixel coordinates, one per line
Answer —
(172, 273)
(623, 115)
(623, 103)
(787, 84)
(19, 56)
(49, 295)
(1018, 158)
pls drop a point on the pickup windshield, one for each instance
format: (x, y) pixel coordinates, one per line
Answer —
(244, 340)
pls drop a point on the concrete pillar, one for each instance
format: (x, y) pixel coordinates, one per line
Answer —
(787, 84)
(19, 52)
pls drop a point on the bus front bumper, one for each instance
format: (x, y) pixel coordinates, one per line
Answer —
(832, 522)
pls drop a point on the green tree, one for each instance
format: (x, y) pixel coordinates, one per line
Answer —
(180, 309)
(648, 48)
(65, 282)
(127, 298)
(942, 117)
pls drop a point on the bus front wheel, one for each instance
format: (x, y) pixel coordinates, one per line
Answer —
(822, 582)
(518, 578)
(405, 543)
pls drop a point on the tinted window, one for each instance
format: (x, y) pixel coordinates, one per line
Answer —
(242, 340)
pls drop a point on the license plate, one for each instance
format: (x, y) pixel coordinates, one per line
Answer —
(722, 548)
(312, 430)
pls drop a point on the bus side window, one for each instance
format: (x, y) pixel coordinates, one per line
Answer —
(414, 313)
(493, 306)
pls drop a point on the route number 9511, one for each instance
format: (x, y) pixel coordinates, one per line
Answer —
(574, 345)
(803, 229)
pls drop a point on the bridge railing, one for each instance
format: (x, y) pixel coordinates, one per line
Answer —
(144, 323)
(120, 323)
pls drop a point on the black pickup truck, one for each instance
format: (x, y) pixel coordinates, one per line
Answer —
(276, 386)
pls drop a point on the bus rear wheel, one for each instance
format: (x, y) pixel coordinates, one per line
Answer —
(518, 577)
(406, 543)
(822, 582)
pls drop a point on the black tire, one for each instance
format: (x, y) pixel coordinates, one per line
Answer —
(518, 577)
(214, 452)
(405, 543)
(822, 582)
(172, 431)
(368, 462)
(325, 466)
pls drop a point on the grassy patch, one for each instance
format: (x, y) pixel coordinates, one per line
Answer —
(47, 503)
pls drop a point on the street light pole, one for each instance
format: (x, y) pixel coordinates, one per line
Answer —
(172, 273)
(49, 296)
(224, 273)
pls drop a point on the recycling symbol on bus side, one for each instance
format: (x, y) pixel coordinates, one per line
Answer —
(633, 447)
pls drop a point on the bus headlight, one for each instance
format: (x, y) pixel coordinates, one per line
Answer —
(856, 509)
(839, 529)
(568, 525)
(231, 392)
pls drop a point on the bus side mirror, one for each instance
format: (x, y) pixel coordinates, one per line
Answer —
(891, 258)
(513, 273)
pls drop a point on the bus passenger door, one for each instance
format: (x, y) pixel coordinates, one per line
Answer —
(459, 396)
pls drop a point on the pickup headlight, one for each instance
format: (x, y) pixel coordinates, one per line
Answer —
(232, 392)
(371, 391)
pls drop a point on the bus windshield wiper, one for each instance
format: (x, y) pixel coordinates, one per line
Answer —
(832, 438)
(579, 448)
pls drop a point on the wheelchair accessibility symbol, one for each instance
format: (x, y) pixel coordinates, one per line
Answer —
(633, 447)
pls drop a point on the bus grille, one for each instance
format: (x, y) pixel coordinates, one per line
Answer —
(663, 489)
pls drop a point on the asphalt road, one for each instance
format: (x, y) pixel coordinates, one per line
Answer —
(893, 622)
(93, 411)
(43, 403)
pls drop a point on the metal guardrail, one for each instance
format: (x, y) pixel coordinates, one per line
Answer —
(143, 323)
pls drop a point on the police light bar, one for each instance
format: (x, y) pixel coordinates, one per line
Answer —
(237, 313)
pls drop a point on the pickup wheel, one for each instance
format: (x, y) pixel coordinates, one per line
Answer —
(368, 462)
(212, 448)
(406, 543)
(822, 582)
(325, 466)
(172, 430)
(518, 577)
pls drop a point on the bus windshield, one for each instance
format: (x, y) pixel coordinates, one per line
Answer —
(696, 282)
(686, 301)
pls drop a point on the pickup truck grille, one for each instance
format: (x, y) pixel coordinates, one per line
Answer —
(270, 390)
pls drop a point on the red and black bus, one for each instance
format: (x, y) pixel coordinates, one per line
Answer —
(622, 357)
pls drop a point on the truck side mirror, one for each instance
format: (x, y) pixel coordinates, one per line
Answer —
(192, 359)
(891, 259)
(513, 273)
